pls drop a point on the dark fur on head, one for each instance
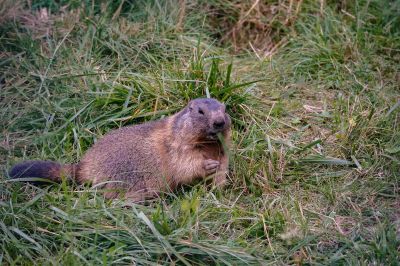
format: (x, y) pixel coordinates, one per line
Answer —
(204, 118)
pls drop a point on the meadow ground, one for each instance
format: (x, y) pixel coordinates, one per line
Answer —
(313, 91)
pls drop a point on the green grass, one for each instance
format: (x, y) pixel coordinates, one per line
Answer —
(315, 163)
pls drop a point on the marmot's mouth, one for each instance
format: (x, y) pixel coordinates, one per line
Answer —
(212, 136)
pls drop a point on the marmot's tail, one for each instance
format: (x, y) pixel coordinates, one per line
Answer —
(43, 169)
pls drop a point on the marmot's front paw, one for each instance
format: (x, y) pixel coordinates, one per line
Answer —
(211, 166)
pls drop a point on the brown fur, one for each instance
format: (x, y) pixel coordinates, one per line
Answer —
(142, 160)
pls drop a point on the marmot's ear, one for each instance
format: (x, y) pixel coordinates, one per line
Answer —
(190, 106)
(224, 107)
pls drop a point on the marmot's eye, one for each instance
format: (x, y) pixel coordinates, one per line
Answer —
(201, 112)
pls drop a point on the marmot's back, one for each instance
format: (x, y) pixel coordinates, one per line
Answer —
(153, 157)
(128, 156)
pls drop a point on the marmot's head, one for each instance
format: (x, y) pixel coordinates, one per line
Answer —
(206, 118)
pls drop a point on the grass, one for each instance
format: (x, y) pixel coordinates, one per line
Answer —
(315, 164)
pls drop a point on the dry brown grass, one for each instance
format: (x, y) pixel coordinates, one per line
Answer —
(39, 22)
(258, 26)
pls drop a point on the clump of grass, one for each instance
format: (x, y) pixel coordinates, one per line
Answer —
(315, 159)
(256, 26)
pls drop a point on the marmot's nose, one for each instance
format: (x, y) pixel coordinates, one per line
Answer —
(219, 124)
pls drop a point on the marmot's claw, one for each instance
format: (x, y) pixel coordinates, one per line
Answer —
(211, 166)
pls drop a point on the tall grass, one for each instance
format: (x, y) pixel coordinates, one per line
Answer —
(314, 173)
